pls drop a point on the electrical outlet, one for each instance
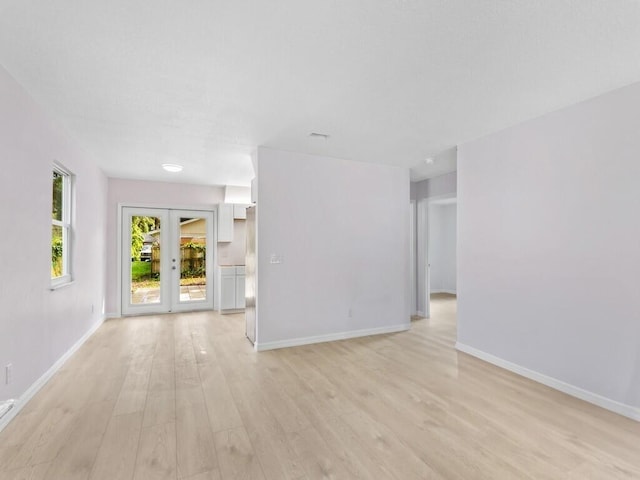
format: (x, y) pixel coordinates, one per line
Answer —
(8, 373)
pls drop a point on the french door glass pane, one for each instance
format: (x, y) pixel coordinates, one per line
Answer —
(193, 252)
(145, 260)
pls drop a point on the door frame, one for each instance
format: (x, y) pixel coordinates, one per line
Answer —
(122, 205)
(413, 263)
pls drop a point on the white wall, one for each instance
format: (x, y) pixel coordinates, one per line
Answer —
(139, 192)
(549, 245)
(442, 185)
(37, 325)
(342, 231)
(442, 247)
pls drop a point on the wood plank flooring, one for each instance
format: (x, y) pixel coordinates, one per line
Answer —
(185, 397)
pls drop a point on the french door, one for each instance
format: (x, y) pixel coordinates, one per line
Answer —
(167, 260)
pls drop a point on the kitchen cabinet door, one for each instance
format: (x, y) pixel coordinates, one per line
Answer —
(225, 223)
(239, 212)
(227, 292)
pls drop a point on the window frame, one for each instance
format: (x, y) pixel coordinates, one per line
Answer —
(68, 187)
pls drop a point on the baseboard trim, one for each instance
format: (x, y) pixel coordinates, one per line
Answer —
(109, 316)
(6, 406)
(41, 382)
(590, 397)
(450, 292)
(296, 342)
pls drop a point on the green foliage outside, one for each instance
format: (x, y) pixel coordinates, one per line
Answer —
(56, 206)
(140, 271)
(142, 276)
(196, 262)
(56, 257)
(193, 268)
(140, 226)
(196, 247)
(56, 234)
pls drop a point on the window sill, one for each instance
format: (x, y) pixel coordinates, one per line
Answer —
(58, 286)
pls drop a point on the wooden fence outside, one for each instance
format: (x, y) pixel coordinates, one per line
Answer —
(192, 261)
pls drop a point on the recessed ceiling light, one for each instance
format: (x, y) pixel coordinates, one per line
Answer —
(429, 161)
(172, 167)
(319, 135)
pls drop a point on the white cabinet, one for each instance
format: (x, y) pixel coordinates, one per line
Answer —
(231, 288)
(240, 212)
(227, 288)
(227, 213)
(225, 222)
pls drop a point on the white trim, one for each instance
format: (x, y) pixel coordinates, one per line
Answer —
(118, 311)
(443, 196)
(230, 311)
(439, 174)
(422, 260)
(41, 382)
(413, 262)
(6, 406)
(295, 342)
(590, 397)
(64, 282)
(256, 278)
(210, 207)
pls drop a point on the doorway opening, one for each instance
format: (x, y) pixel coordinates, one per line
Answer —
(165, 265)
(442, 244)
(435, 252)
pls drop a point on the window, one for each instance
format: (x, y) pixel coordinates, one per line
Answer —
(61, 229)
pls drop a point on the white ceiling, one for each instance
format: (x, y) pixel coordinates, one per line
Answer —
(202, 82)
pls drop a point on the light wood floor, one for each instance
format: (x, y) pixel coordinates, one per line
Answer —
(185, 396)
